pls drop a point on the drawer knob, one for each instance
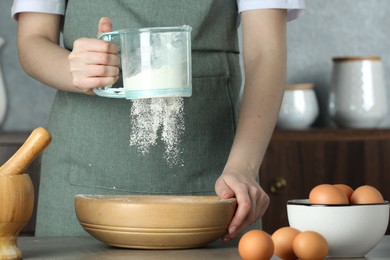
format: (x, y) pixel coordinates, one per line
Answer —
(277, 185)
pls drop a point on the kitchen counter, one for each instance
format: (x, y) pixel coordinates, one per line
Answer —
(89, 248)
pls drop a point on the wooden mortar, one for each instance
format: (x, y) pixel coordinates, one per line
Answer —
(17, 192)
(16, 204)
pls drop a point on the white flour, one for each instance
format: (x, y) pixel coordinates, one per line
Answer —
(152, 116)
(172, 76)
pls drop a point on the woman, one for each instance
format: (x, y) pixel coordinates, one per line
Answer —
(90, 152)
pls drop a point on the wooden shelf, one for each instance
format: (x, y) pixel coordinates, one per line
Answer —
(331, 134)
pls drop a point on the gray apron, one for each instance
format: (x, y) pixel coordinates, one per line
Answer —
(90, 151)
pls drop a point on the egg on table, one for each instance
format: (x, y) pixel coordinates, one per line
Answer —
(310, 245)
(256, 245)
(283, 239)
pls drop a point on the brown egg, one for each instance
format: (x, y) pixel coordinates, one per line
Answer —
(310, 245)
(327, 194)
(283, 241)
(346, 189)
(366, 194)
(256, 245)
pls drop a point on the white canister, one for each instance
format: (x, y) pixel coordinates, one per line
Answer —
(357, 97)
(299, 107)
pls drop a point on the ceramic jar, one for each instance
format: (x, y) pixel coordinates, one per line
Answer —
(3, 97)
(299, 107)
(357, 97)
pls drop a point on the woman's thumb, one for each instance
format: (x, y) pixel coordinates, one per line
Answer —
(105, 25)
(223, 191)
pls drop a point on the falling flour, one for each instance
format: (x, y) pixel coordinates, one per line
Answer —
(152, 116)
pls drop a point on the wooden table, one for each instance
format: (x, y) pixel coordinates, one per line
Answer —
(89, 248)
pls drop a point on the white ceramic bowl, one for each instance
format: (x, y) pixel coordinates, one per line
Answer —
(351, 230)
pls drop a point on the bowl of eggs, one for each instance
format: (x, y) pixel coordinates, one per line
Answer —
(352, 221)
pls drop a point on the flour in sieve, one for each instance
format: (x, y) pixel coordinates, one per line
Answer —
(150, 115)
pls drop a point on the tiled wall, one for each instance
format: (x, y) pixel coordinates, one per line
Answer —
(329, 28)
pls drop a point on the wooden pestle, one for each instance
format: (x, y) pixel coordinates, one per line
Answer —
(38, 140)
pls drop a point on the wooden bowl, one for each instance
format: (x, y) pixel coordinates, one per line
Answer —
(155, 222)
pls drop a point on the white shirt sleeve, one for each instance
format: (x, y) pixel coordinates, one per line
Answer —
(38, 6)
(295, 8)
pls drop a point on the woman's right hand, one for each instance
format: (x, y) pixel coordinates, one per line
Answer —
(94, 62)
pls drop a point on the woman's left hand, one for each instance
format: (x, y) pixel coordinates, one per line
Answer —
(251, 199)
(264, 55)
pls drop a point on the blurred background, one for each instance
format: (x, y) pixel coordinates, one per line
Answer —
(329, 28)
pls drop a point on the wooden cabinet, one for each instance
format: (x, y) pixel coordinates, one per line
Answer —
(296, 161)
(9, 144)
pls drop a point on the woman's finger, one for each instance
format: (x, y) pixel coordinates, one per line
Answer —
(105, 25)
(100, 71)
(263, 203)
(97, 58)
(86, 84)
(93, 45)
(243, 209)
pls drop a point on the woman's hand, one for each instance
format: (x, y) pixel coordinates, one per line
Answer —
(251, 199)
(94, 62)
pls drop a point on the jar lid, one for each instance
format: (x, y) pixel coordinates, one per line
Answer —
(356, 58)
(299, 86)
